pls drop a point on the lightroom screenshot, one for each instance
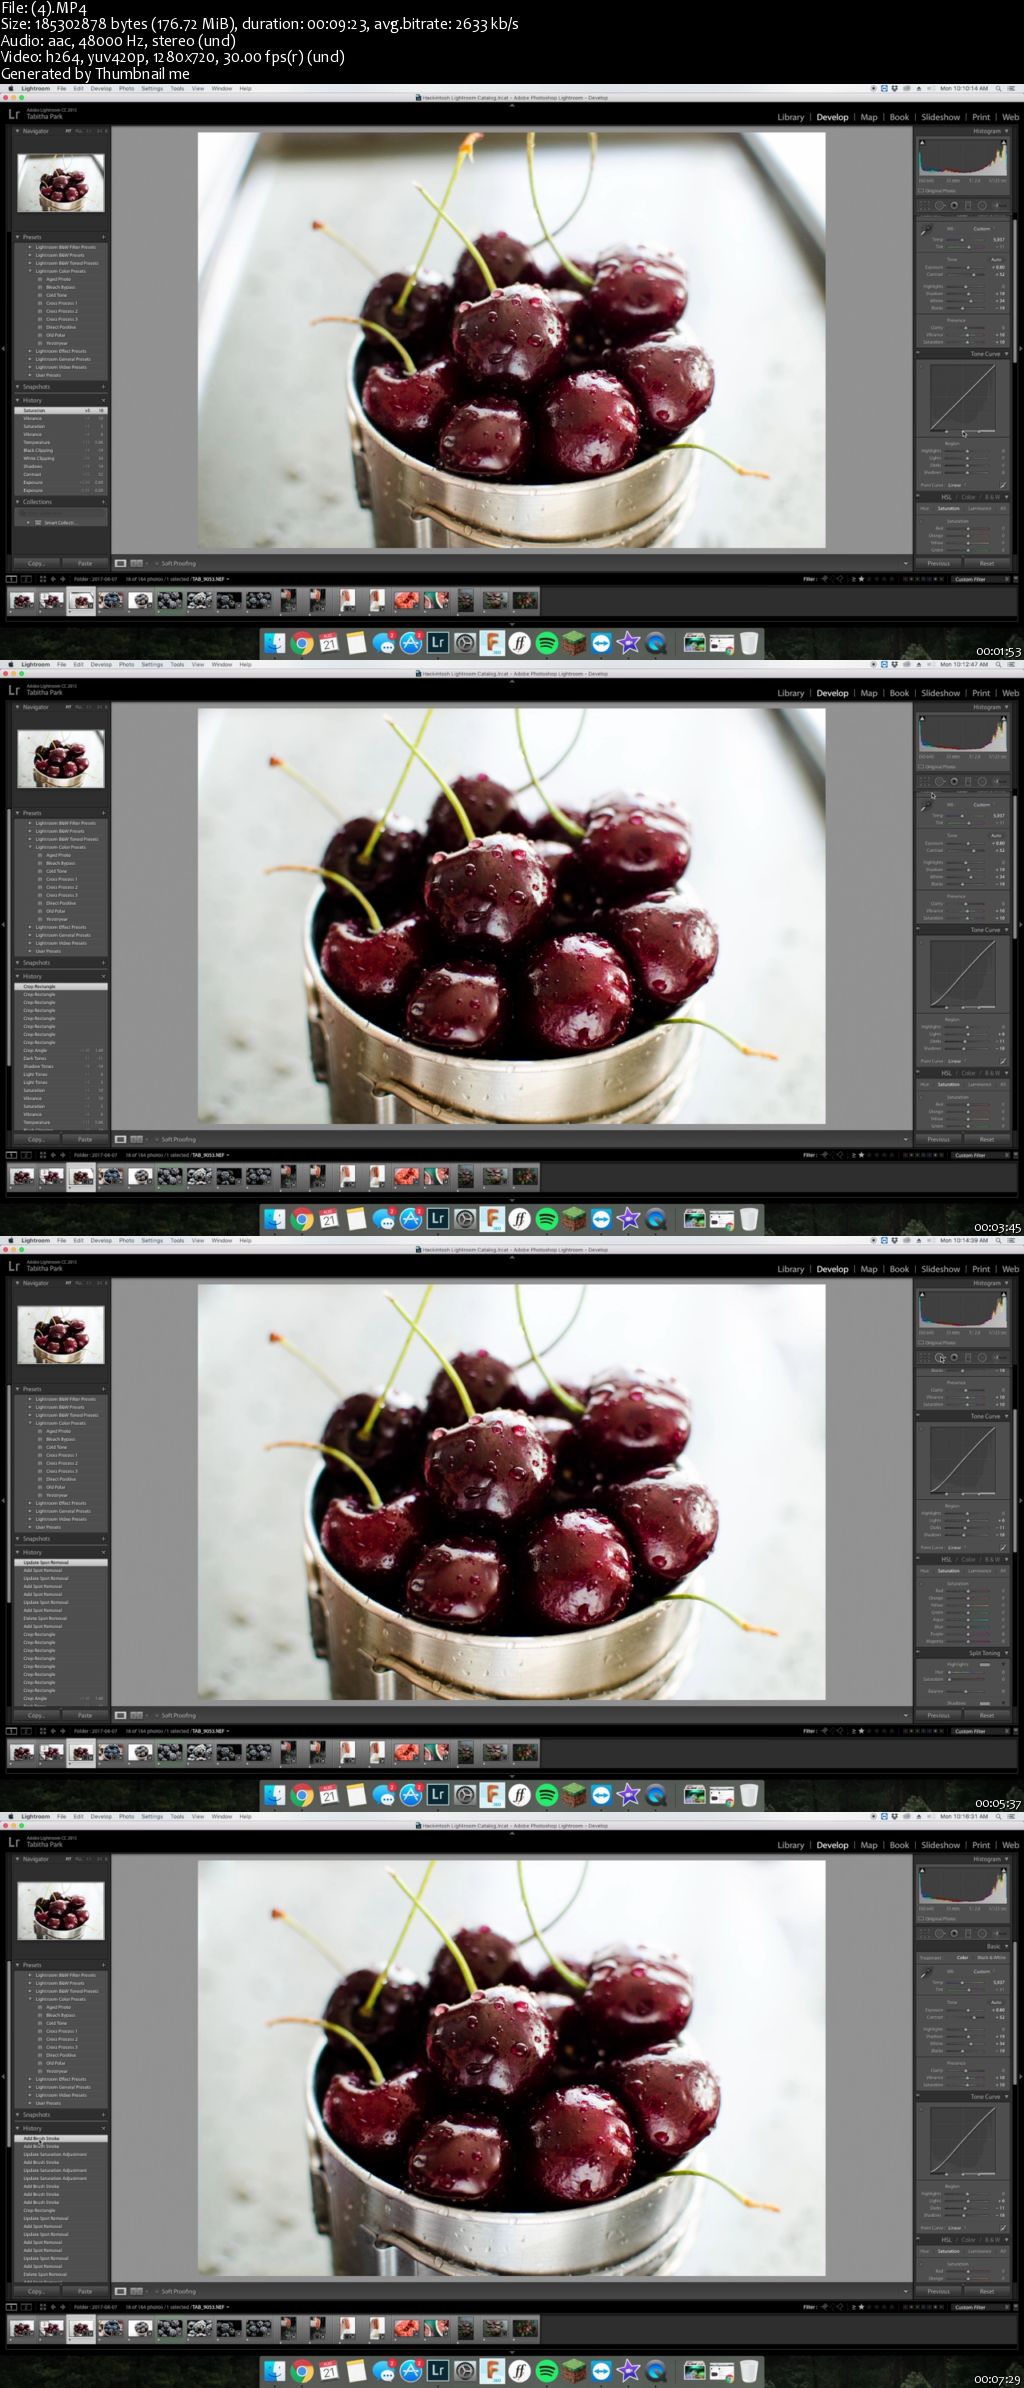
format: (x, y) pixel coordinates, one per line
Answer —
(743, 356)
(758, 927)
(511, 1659)
(764, 2084)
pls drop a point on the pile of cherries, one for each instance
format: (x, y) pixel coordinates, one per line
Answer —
(58, 761)
(530, 2091)
(543, 936)
(57, 1914)
(549, 375)
(527, 1518)
(62, 189)
(59, 1337)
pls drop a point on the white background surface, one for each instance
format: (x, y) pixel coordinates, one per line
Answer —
(751, 1930)
(95, 1322)
(92, 740)
(752, 1359)
(91, 1892)
(758, 867)
(43, 161)
(274, 460)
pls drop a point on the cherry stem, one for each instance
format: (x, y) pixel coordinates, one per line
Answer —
(278, 763)
(747, 472)
(563, 758)
(312, 870)
(366, 325)
(280, 1915)
(692, 2172)
(465, 824)
(556, 1339)
(551, 1382)
(685, 1020)
(320, 226)
(465, 151)
(571, 828)
(453, 1950)
(575, 1980)
(372, 1996)
(742, 1622)
(330, 1453)
(367, 853)
(586, 281)
(474, 252)
(449, 1371)
(293, 1348)
(370, 1420)
(582, 200)
(340, 2033)
(563, 1911)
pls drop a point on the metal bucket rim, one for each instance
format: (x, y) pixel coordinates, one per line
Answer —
(647, 465)
(461, 2215)
(402, 1048)
(447, 1635)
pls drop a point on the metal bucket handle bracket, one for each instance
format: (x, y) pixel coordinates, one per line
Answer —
(445, 1114)
(641, 534)
(639, 1687)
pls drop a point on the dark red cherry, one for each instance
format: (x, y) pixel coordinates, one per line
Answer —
(488, 805)
(462, 1582)
(390, 1453)
(409, 408)
(576, 1570)
(634, 847)
(490, 1383)
(375, 1545)
(561, 1442)
(395, 2021)
(578, 2146)
(390, 878)
(490, 1957)
(635, 1998)
(672, 2101)
(509, 260)
(496, 2044)
(460, 2160)
(587, 425)
(634, 1422)
(673, 947)
(487, 439)
(571, 302)
(672, 1526)
(672, 381)
(541, 825)
(494, 892)
(377, 2118)
(423, 322)
(374, 968)
(496, 1467)
(550, 1979)
(463, 1007)
(558, 276)
(577, 994)
(511, 341)
(637, 292)
(546, 1404)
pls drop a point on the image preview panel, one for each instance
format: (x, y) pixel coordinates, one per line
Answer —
(715, 205)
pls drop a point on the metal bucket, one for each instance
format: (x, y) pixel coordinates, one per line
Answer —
(375, 1654)
(378, 2229)
(378, 1079)
(415, 505)
(57, 1359)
